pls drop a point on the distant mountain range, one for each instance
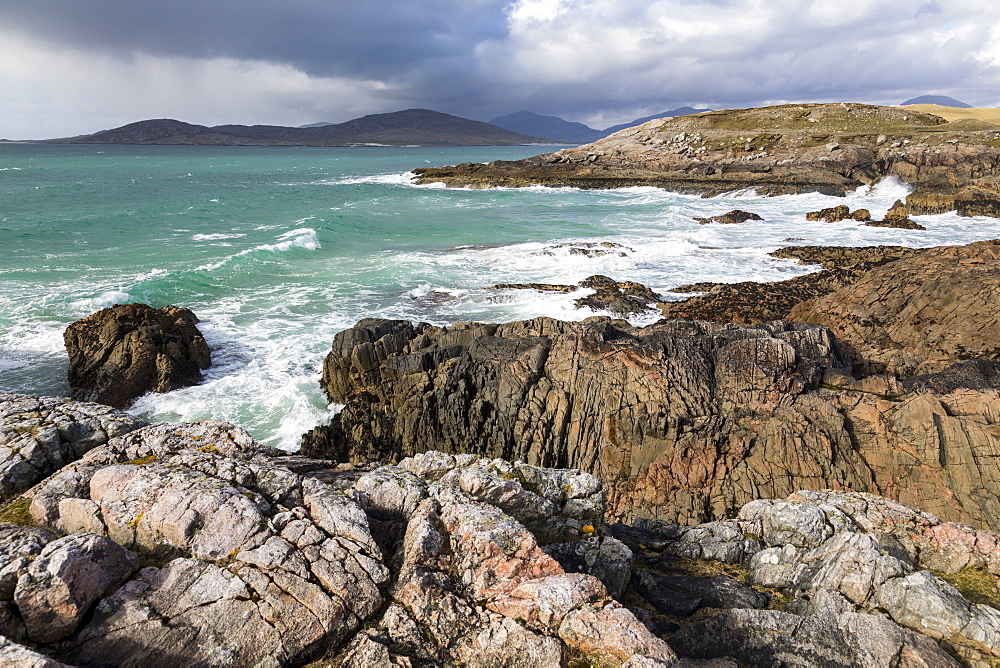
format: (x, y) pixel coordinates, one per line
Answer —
(557, 129)
(942, 100)
(400, 128)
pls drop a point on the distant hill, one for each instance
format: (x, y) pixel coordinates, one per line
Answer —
(550, 127)
(557, 129)
(680, 111)
(412, 126)
(942, 100)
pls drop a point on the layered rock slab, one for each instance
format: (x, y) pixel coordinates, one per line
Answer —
(122, 352)
(681, 420)
(940, 308)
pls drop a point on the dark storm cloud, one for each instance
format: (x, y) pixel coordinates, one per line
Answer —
(370, 39)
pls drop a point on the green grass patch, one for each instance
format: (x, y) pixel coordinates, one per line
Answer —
(977, 585)
(16, 512)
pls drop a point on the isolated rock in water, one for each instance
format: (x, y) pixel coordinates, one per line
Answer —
(938, 308)
(119, 353)
(623, 298)
(731, 218)
(39, 435)
(64, 580)
(589, 249)
(897, 216)
(835, 214)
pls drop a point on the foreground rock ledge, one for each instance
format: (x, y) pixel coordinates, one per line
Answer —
(250, 556)
(120, 353)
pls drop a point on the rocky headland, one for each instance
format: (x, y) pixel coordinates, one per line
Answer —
(687, 420)
(826, 148)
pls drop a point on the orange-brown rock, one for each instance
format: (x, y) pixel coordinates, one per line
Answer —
(750, 302)
(942, 306)
(681, 420)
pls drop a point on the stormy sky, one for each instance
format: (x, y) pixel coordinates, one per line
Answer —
(75, 66)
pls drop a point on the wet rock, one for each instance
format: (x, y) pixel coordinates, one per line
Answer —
(39, 435)
(120, 353)
(66, 578)
(835, 214)
(543, 287)
(898, 216)
(590, 249)
(733, 217)
(750, 303)
(622, 298)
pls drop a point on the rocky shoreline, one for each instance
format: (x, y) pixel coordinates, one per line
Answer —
(189, 544)
(786, 149)
(794, 473)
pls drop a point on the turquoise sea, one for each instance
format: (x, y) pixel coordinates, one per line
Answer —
(278, 249)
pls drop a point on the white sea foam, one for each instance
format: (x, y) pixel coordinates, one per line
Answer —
(301, 238)
(403, 179)
(88, 305)
(217, 236)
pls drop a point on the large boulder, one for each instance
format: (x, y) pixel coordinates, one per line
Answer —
(40, 435)
(120, 353)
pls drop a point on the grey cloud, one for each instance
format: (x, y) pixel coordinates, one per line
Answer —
(377, 39)
(602, 60)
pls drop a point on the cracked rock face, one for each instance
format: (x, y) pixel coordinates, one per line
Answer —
(936, 309)
(120, 353)
(248, 562)
(848, 569)
(40, 435)
(684, 421)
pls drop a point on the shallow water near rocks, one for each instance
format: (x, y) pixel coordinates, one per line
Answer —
(277, 249)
